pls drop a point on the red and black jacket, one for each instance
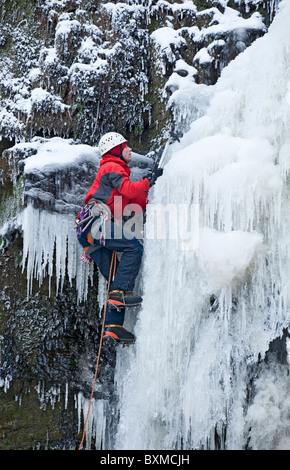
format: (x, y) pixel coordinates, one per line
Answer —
(113, 187)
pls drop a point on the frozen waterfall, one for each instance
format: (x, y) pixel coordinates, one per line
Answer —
(209, 313)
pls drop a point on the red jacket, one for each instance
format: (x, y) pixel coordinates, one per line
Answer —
(113, 187)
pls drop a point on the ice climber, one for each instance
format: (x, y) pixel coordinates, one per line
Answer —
(106, 201)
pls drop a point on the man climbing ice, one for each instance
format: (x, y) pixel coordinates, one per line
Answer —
(109, 196)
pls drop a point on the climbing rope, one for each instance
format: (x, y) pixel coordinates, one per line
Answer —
(112, 269)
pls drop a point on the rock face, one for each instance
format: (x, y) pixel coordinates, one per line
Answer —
(72, 70)
(77, 68)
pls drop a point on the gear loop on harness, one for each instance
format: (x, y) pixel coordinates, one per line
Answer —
(111, 275)
(91, 212)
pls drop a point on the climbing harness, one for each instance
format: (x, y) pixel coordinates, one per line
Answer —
(89, 212)
(97, 212)
(111, 275)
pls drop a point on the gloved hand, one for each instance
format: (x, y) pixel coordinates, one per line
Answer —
(152, 176)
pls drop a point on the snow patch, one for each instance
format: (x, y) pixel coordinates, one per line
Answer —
(225, 257)
(56, 153)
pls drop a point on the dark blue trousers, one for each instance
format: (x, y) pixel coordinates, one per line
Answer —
(127, 268)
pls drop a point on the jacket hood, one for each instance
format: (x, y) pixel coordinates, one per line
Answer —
(112, 159)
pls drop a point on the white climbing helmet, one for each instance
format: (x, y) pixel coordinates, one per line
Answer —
(109, 141)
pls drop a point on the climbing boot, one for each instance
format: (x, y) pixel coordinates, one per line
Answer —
(120, 298)
(119, 334)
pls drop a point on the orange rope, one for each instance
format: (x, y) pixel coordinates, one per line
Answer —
(113, 262)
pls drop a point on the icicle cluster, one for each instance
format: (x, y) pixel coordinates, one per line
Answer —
(46, 249)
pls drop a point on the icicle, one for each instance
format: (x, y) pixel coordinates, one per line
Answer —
(96, 424)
